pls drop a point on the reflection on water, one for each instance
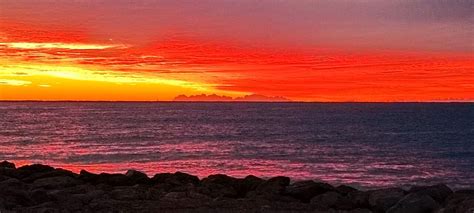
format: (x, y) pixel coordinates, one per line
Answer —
(361, 144)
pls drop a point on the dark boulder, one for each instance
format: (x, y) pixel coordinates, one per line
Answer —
(381, 200)
(39, 196)
(248, 184)
(326, 200)
(88, 177)
(177, 178)
(28, 170)
(9, 172)
(138, 177)
(438, 192)
(221, 186)
(359, 199)
(332, 199)
(459, 202)
(415, 203)
(53, 173)
(343, 189)
(114, 179)
(110, 179)
(272, 190)
(59, 182)
(126, 193)
(276, 185)
(305, 190)
(65, 201)
(6, 164)
(14, 193)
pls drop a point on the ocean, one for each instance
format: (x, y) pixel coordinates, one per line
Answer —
(361, 144)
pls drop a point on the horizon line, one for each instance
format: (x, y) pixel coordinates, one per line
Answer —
(172, 101)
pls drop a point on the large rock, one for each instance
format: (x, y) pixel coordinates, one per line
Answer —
(359, 199)
(56, 182)
(14, 193)
(6, 164)
(276, 185)
(221, 186)
(415, 203)
(126, 193)
(28, 170)
(459, 202)
(177, 178)
(248, 184)
(138, 177)
(345, 190)
(39, 196)
(438, 192)
(272, 191)
(54, 173)
(66, 201)
(305, 190)
(381, 200)
(9, 172)
(333, 200)
(326, 200)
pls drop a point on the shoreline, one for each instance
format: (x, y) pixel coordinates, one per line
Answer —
(41, 188)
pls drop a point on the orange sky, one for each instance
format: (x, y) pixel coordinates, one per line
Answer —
(46, 58)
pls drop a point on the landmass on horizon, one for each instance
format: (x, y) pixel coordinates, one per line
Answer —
(223, 98)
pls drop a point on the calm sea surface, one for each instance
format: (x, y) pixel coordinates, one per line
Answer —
(369, 145)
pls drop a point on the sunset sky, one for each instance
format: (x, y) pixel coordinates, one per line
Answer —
(304, 50)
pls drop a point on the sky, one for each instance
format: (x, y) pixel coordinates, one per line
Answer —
(303, 50)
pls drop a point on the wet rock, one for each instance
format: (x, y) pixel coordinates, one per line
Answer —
(13, 183)
(177, 178)
(343, 189)
(459, 202)
(88, 177)
(272, 190)
(359, 199)
(185, 199)
(138, 177)
(305, 190)
(65, 201)
(249, 183)
(381, 200)
(438, 192)
(3, 178)
(6, 164)
(326, 200)
(360, 211)
(54, 173)
(333, 200)
(114, 179)
(91, 195)
(415, 203)
(28, 170)
(276, 185)
(9, 172)
(56, 182)
(126, 193)
(39, 196)
(14, 193)
(220, 186)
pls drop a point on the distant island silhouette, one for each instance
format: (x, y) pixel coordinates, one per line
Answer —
(223, 98)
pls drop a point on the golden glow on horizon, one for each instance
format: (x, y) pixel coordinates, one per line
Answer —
(71, 46)
(87, 84)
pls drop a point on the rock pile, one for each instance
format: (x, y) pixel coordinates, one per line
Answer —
(41, 188)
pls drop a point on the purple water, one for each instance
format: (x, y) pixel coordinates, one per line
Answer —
(369, 145)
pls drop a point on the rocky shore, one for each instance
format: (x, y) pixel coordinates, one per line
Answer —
(41, 188)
